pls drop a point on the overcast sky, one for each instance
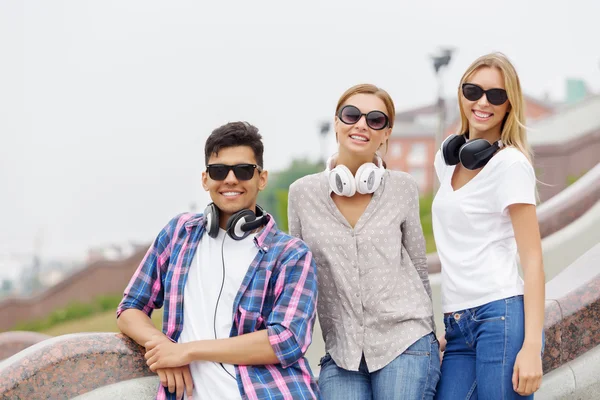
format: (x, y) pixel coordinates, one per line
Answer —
(105, 105)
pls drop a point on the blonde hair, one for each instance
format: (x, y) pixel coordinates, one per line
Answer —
(513, 127)
(366, 88)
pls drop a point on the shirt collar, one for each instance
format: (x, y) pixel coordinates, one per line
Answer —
(263, 238)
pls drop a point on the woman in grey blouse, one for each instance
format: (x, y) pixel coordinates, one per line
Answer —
(362, 224)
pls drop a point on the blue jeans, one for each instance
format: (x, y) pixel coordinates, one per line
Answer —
(482, 345)
(412, 375)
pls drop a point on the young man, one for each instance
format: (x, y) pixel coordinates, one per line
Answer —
(239, 295)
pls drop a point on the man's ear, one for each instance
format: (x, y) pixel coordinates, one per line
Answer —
(205, 181)
(263, 178)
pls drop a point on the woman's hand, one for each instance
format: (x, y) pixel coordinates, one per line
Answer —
(527, 373)
(442, 342)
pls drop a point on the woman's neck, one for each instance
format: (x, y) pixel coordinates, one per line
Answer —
(491, 135)
(352, 161)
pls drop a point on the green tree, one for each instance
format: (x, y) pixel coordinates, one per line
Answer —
(274, 197)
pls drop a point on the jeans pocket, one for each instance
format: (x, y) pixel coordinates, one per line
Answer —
(421, 347)
(448, 324)
(491, 312)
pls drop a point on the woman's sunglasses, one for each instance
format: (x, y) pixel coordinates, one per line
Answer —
(243, 172)
(473, 92)
(376, 120)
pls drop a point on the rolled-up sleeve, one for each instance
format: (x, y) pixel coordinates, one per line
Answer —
(145, 289)
(291, 321)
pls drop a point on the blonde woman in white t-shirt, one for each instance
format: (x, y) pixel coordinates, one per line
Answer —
(484, 221)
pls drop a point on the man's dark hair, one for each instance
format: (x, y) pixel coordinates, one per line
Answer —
(235, 134)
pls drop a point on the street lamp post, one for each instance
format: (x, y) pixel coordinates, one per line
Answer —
(440, 60)
(324, 128)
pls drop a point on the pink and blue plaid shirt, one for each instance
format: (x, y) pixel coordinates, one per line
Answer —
(278, 293)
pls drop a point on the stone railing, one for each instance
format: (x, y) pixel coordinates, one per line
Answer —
(70, 365)
(557, 212)
(572, 323)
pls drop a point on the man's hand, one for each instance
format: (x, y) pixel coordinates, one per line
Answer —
(177, 380)
(162, 353)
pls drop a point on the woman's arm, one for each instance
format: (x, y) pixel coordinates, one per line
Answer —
(527, 376)
(294, 225)
(412, 237)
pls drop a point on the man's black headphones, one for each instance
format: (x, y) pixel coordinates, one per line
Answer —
(239, 225)
(473, 154)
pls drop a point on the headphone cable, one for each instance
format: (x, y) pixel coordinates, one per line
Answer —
(218, 299)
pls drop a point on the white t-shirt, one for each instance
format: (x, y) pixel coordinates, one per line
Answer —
(202, 288)
(473, 230)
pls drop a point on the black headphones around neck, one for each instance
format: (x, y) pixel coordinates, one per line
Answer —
(239, 225)
(473, 154)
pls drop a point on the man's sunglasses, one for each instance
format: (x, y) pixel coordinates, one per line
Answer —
(473, 92)
(376, 120)
(243, 172)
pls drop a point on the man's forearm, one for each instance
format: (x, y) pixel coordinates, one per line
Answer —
(137, 325)
(249, 349)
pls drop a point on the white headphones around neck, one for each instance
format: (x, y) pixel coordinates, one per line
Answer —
(343, 183)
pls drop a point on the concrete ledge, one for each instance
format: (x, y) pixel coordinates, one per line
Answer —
(577, 379)
(562, 248)
(13, 342)
(70, 365)
(571, 203)
(134, 389)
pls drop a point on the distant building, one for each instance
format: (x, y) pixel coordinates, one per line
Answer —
(110, 252)
(566, 145)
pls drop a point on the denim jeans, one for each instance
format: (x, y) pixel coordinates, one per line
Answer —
(412, 375)
(482, 345)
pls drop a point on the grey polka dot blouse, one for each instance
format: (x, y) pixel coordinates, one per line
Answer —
(374, 293)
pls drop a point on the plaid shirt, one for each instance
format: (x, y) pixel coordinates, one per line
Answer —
(278, 293)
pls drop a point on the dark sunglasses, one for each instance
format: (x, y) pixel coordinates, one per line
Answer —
(243, 172)
(376, 120)
(473, 92)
